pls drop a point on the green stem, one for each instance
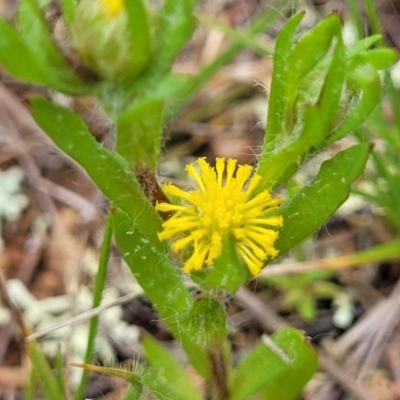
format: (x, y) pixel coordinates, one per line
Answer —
(98, 291)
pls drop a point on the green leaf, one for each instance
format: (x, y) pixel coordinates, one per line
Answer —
(275, 372)
(68, 7)
(153, 270)
(109, 171)
(139, 133)
(43, 3)
(363, 44)
(170, 86)
(307, 53)
(330, 96)
(30, 388)
(33, 30)
(313, 46)
(168, 377)
(283, 47)
(277, 168)
(17, 57)
(365, 79)
(313, 205)
(325, 290)
(278, 164)
(379, 58)
(318, 120)
(163, 284)
(52, 388)
(307, 308)
(59, 373)
(176, 24)
(388, 251)
(139, 26)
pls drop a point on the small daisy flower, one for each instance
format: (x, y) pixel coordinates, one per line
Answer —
(222, 204)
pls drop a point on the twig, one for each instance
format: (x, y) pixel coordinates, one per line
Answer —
(83, 316)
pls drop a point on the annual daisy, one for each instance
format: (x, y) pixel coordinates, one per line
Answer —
(223, 203)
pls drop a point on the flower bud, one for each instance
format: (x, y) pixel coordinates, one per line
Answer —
(101, 35)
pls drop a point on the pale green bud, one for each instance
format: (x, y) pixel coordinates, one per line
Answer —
(101, 35)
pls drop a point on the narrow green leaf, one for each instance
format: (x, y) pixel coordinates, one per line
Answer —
(313, 205)
(109, 171)
(378, 58)
(354, 12)
(326, 290)
(46, 377)
(269, 368)
(276, 168)
(363, 44)
(389, 251)
(17, 57)
(30, 388)
(59, 371)
(68, 7)
(373, 19)
(279, 167)
(313, 46)
(175, 25)
(367, 81)
(43, 3)
(139, 133)
(34, 31)
(331, 92)
(140, 29)
(154, 271)
(283, 47)
(317, 122)
(163, 284)
(171, 377)
(307, 307)
(306, 54)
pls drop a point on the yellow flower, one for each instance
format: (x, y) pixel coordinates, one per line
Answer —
(112, 7)
(222, 205)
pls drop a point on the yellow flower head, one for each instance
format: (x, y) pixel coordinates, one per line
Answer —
(112, 7)
(222, 205)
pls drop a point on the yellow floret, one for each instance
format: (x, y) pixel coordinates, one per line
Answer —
(222, 204)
